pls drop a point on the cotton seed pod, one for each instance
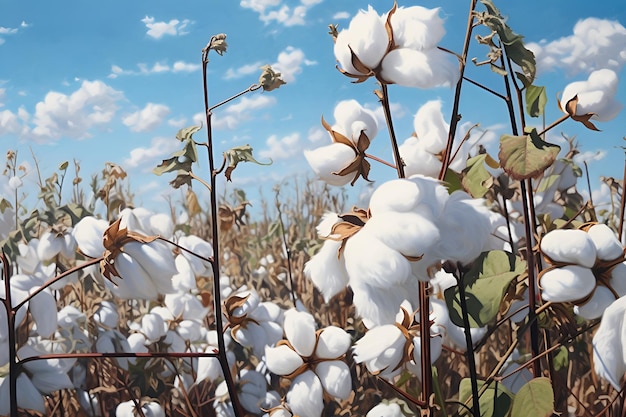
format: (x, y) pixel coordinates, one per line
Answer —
(608, 247)
(595, 306)
(418, 194)
(567, 283)
(569, 246)
(618, 279)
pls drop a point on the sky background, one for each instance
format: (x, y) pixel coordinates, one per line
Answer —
(114, 81)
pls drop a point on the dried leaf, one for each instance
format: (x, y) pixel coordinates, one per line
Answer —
(528, 156)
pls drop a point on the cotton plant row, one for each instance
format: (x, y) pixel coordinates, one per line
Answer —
(409, 263)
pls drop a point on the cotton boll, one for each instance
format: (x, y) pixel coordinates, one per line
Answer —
(351, 118)
(327, 270)
(89, 233)
(305, 396)
(422, 69)
(385, 410)
(162, 225)
(430, 127)
(335, 378)
(369, 260)
(418, 160)
(332, 343)
(300, 331)
(465, 228)
(381, 349)
(595, 306)
(570, 246)
(567, 283)
(609, 343)
(418, 194)
(410, 234)
(417, 27)
(378, 306)
(607, 246)
(324, 228)
(326, 160)
(595, 95)
(366, 37)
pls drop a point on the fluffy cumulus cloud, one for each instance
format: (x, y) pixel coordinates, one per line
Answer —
(160, 148)
(341, 15)
(147, 118)
(290, 62)
(233, 73)
(60, 115)
(594, 44)
(156, 68)
(282, 148)
(275, 11)
(157, 30)
(233, 115)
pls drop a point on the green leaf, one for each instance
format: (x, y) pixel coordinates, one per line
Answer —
(439, 398)
(536, 398)
(185, 134)
(452, 180)
(512, 42)
(494, 402)
(239, 154)
(547, 182)
(561, 358)
(536, 100)
(528, 156)
(485, 284)
(476, 176)
(75, 211)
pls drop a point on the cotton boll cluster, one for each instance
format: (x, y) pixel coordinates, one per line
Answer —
(411, 226)
(587, 269)
(423, 151)
(398, 47)
(313, 361)
(343, 161)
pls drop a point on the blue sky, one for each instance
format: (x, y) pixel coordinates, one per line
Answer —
(114, 81)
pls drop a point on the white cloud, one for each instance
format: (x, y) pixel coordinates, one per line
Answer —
(594, 44)
(269, 11)
(281, 148)
(243, 71)
(11, 31)
(178, 123)
(341, 15)
(2, 95)
(290, 63)
(156, 68)
(58, 115)
(157, 30)
(317, 135)
(160, 148)
(590, 156)
(233, 115)
(10, 123)
(147, 118)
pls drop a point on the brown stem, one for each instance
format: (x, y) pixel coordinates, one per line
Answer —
(13, 365)
(454, 118)
(253, 87)
(555, 123)
(217, 302)
(382, 161)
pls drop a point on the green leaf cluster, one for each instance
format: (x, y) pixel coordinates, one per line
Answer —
(181, 161)
(485, 285)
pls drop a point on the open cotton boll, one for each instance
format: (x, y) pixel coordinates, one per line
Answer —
(607, 246)
(326, 160)
(385, 410)
(609, 343)
(570, 246)
(369, 260)
(417, 159)
(300, 331)
(366, 37)
(599, 301)
(88, 233)
(430, 128)
(421, 69)
(377, 306)
(567, 283)
(411, 234)
(381, 349)
(327, 271)
(419, 194)
(351, 119)
(306, 395)
(162, 225)
(417, 27)
(465, 228)
(335, 378)
(595, 95)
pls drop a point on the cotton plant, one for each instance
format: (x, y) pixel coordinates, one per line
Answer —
(313, 361)
(398, 47)
(587, 268)
(343, 161)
